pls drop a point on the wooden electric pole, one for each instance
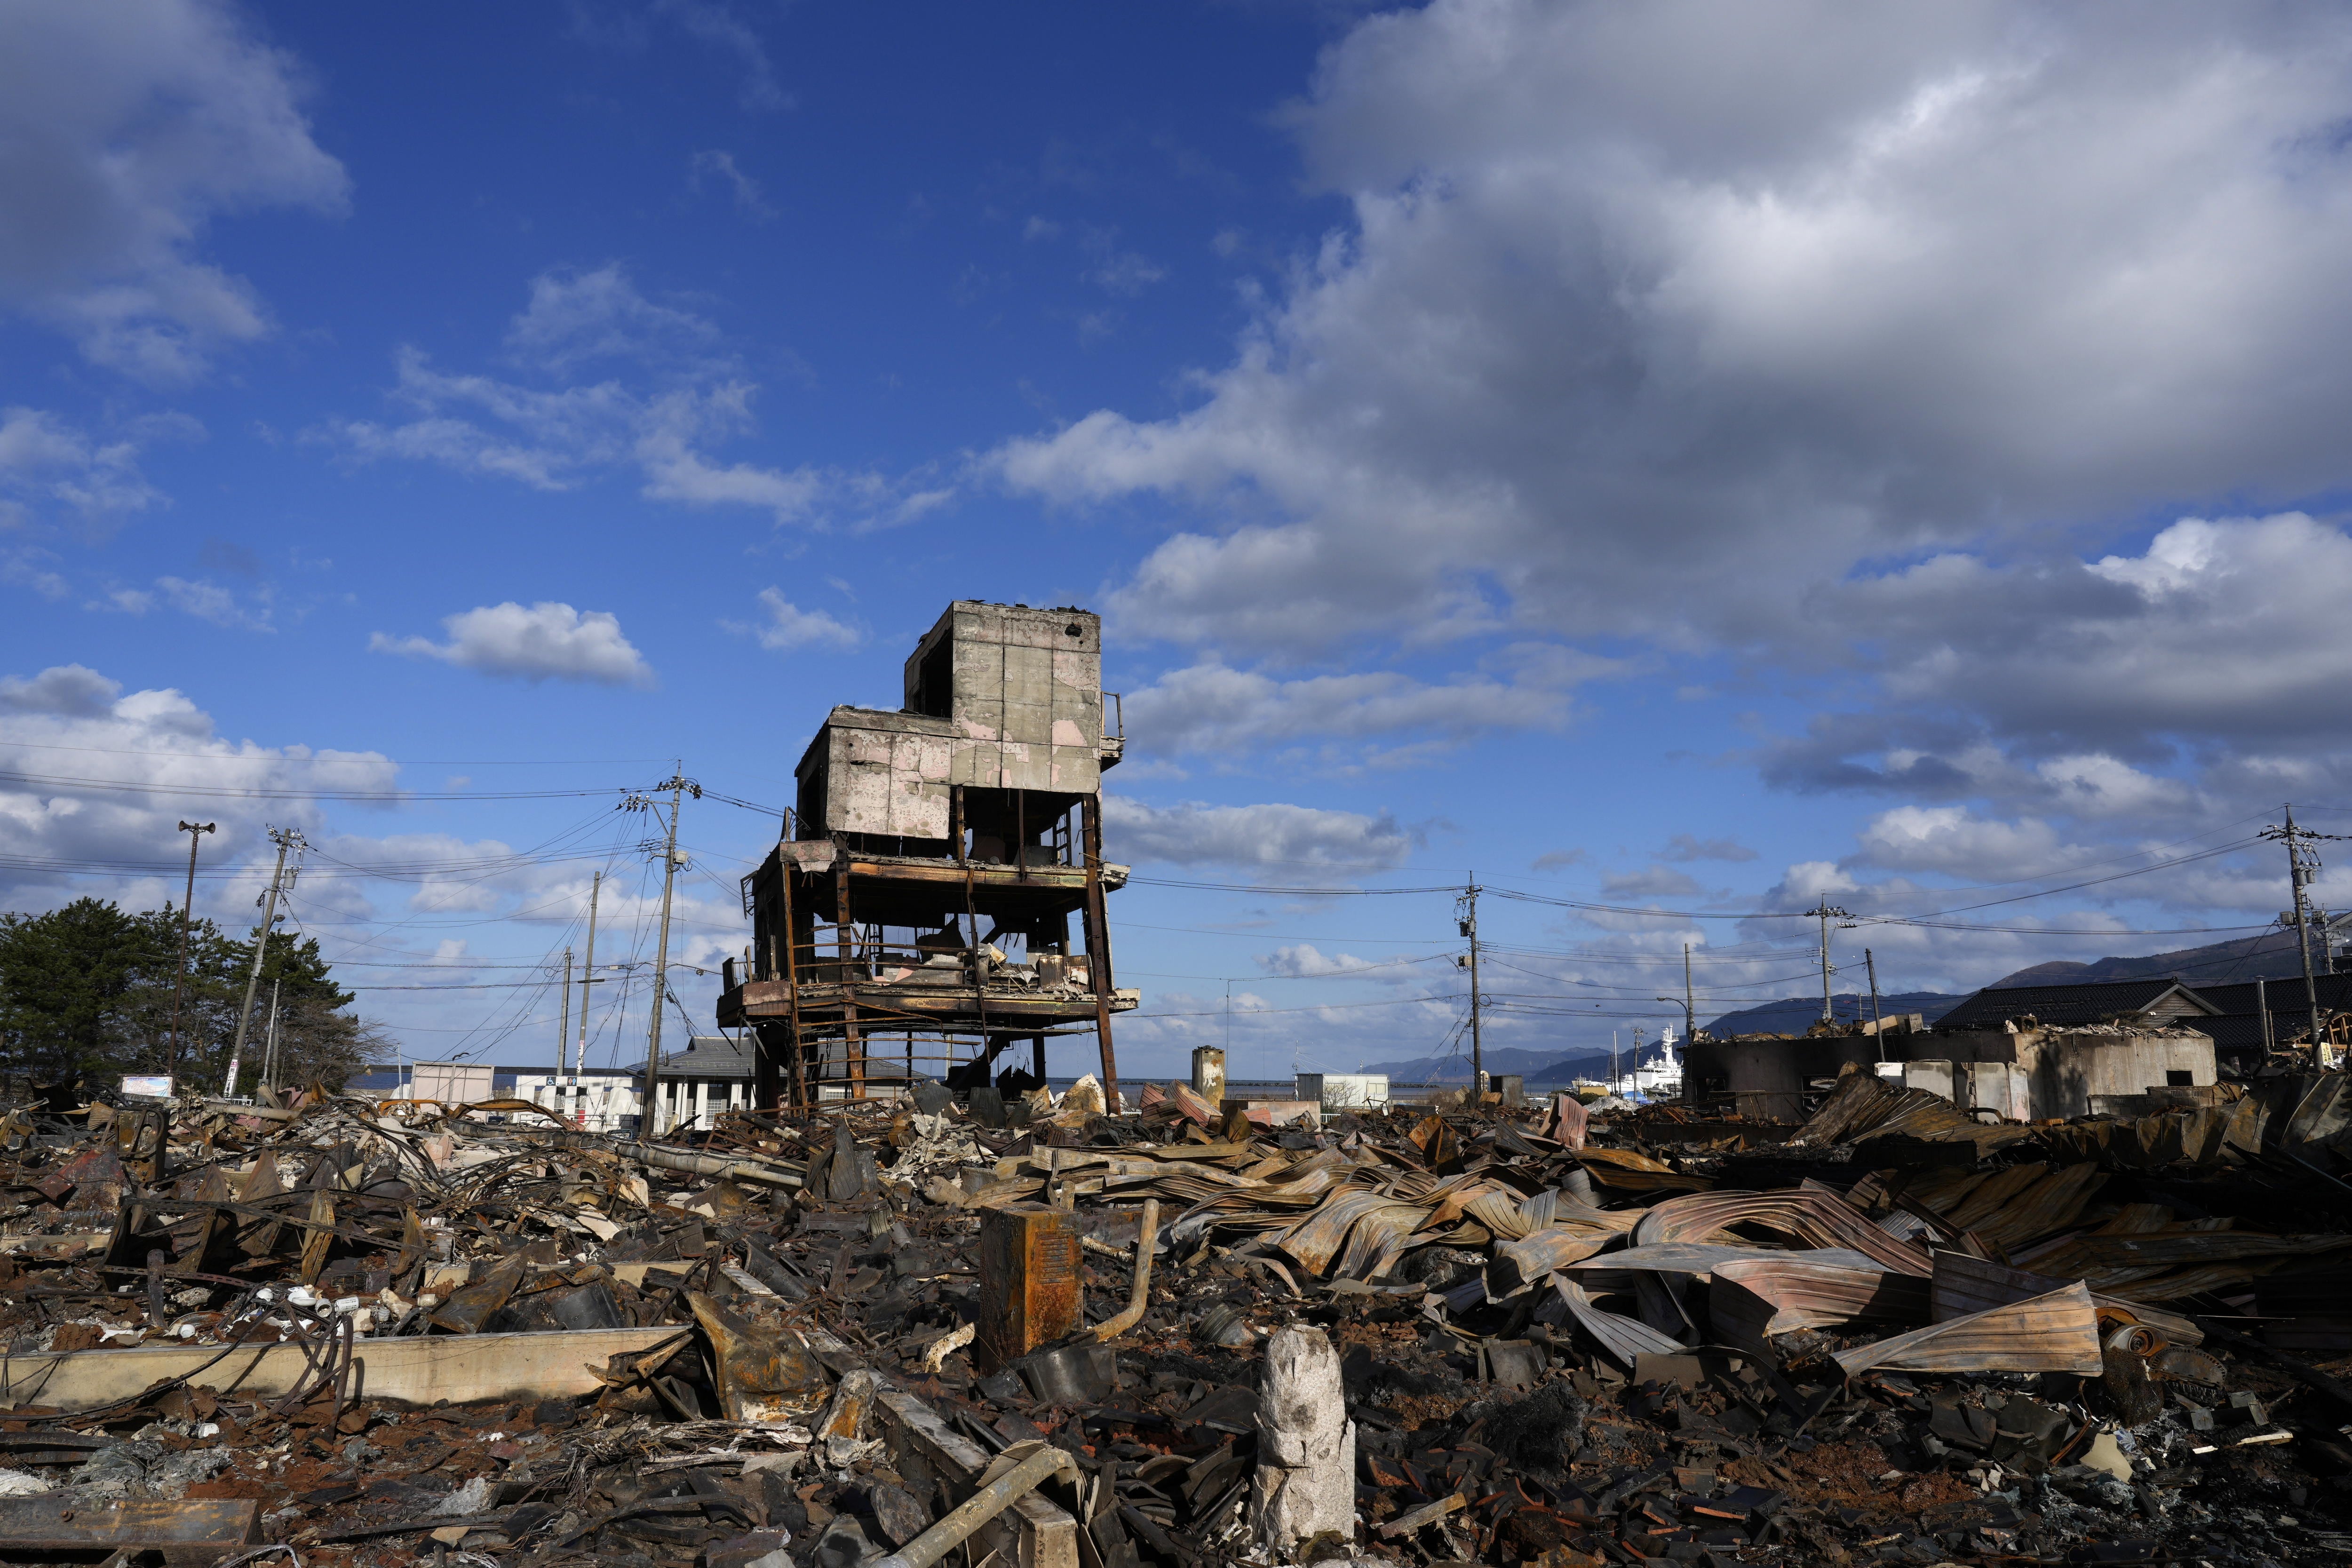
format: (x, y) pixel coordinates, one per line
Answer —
(587, 978)
(285, 838)
(1469, 923)
(2303, 863)
(1824, 910)
(563, 1028)
(677, 784)
(195, 832)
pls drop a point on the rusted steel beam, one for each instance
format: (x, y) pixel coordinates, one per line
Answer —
(1098, 948)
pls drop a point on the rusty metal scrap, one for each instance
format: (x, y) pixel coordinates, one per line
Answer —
(2056, 1332)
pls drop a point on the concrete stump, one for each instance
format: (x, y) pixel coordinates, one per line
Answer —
(1306, 1444)
(1208, 1074)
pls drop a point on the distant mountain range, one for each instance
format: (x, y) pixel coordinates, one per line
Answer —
(2270, 956)
(1795, 1014)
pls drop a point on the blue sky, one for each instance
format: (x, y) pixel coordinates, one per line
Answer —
(1656, 460)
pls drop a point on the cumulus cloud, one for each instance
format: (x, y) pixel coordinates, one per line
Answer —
(787, 627)
(2217, 628)
(1558, 860)
(546, 641)
(129, 128)
(1741, 329)
(1305, 961)
(1269, 835)
(1214, 707)
(669, 395)
(113, 814)
(1956, 841)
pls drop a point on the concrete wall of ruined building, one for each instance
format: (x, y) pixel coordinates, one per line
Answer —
(2055, 1072)
(1026, 712)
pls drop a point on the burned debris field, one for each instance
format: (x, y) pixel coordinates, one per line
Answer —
(1198, 1333)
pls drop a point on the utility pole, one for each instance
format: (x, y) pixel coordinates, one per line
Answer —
(1824, 910)
(587, 973)
(269, 1041)
(1877, 1019)
(2303, 863)
(1468, 921)
(1689, 1004)
(564, 1029)
(285, 838)
(195, 832)
(677, 783)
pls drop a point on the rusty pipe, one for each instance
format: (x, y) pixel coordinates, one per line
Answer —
(1140, 1297)
(979, 1509)
(706, 1165)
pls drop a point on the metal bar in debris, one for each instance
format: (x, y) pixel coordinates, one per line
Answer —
(980, 1508)
(1140, 1297)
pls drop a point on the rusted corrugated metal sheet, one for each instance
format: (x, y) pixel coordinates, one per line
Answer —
(1706, 1257)
(1753, 1298)
(2054, 1332)
(2011, 1209)
(1964, 1285)
(1528, 1260)
(1814, 1215)
(1623, 1337)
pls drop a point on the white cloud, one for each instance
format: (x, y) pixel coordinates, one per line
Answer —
(1270, 835)
(128, 127)
(2218, 629)
(1649, 323)
(547, 641)
(671, 394)
(48, 464)
(721, 165)
(788, 626)
(209, 601)
(1305, 961)
(1214, 707)
(69, 723)
(575, 317)
(1957, 842)
(1808, 881)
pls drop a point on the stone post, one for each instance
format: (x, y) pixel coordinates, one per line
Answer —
(1306, 1444)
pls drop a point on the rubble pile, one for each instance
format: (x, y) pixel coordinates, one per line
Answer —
(1021, 1329)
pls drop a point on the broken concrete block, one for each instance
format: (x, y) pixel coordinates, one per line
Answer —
(1305, 1480)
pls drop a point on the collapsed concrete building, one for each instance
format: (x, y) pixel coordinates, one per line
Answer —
(925, 839)
(2016, 1069)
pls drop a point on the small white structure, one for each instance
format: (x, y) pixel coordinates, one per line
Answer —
(597, 1101)
(1345, 1090)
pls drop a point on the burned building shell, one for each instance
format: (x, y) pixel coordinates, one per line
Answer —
(934, 842)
